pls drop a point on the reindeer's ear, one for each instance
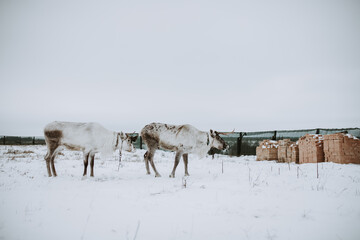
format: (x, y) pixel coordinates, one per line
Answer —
(211, 133)
(133, 139)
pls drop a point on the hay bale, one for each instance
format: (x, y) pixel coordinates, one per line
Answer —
(311, 148)
(267, 150)
(342, 148)
(293, 153)
(283, 150)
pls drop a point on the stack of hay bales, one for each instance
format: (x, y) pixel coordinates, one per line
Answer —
(342, 148)
(267, 150)
(293, 153)
(311, 149)
(283, 150)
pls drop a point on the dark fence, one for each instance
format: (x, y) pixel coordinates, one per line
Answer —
(11, 140)
(240, 143)
(245, 143)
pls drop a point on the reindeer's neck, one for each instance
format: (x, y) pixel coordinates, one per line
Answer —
(205, 145)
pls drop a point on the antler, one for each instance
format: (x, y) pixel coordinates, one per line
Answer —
(227, 133)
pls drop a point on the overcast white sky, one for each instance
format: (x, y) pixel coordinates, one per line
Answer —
(248, 65)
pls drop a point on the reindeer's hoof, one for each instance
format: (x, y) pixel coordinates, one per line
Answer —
(171, 176)
(186, 174)
(157, 175)
(148, 173)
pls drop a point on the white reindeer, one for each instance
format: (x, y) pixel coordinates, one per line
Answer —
(182, 139)
(90, 138)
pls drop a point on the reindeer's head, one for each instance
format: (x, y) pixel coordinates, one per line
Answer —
(126, 141)
(217, 141)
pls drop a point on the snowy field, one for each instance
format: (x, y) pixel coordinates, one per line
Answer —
(224, 198)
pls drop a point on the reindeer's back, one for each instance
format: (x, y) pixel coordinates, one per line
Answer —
(158, 129)
(74, 133)
(168, 136)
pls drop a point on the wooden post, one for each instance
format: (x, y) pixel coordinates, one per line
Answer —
(297, 172)
(317, 169)
(238, 144)
(141, 143)
(274, 137)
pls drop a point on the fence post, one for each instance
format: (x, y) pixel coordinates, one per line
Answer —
(141, 142)
(318, 131)
(274, 137)
(4, 140)
(238, 144)
(33, 141)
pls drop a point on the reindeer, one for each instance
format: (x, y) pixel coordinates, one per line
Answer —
(182, 139)
(90, 138)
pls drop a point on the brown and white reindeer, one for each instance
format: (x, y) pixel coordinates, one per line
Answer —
(182, 139)
(90, 138)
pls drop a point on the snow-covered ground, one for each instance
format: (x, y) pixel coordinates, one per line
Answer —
(248, 200)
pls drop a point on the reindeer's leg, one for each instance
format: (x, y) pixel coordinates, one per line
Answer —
(177, 159)
(151, 154)
(53, 164)
(52, 145)
(47, 159)
(146, 155)
(185, 158)
(86, 162)
(92, 156)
